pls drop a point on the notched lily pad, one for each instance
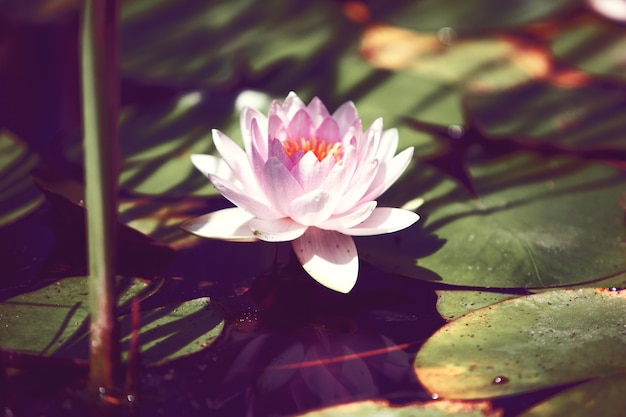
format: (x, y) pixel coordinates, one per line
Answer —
(53, 321)
(526, 344)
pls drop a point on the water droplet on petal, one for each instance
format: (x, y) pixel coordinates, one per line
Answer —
(434, 396)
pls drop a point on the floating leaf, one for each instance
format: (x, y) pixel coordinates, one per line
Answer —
(53, 321)
(528, 343)
(452, 304)
(16, 187)
(539, 223)
(593, 45)
(383, 408)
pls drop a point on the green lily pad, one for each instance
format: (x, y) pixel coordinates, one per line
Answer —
(432, 409)
(593, 45)
(528, 343)
(471, 15)
(53, 321)
(222, 40)
(16, 187)
(599, 397)
(584, 117)
(539, 223)
(452, 304)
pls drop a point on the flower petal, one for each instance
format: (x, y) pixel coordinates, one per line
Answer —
(281, 188)
(247, 116)
(229, 224)
(277, 230)
(246, 199)
(388, 145)
(212, 165)
(312, 208)
(236, 159)
(329, 257)
(388, 173)
(352, 218)
(301, 126)
(346, 115)
(383, 220)
(317, 110)
(310, 172)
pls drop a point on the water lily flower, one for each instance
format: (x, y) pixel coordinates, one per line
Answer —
(308, 177)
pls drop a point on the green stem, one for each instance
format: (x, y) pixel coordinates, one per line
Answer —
(100, 94)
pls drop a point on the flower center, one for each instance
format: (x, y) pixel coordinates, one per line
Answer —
(321, 148)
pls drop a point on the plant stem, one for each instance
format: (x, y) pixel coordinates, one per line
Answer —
(100, 94)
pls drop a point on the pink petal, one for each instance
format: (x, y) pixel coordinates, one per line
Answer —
(317, 111)
(337, 180)
(301, 126)
(388, 145)
(259, 150)
(292, 104)
(277, 151)
(281, 188)
(329, 257)
(247, 116)
(388, 173)
(229, 224)
(236, 159)
(276, 230)
(312, 208)
(362, 180)
(328, 130)
(309, 172)
(276, 128)
(352, 218)
(346, 115)
(248, 200)
(383, 220)
(212, 165)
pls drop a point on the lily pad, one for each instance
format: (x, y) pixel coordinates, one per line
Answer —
(383, 408)
(53, 321)
(595, 46)
(599, 397)
(452, 304)
(16, 187)
(538, 223)
(583, 117)
(526, 344)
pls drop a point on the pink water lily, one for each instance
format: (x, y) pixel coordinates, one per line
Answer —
(308, 177)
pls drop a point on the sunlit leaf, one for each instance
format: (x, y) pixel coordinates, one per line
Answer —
(528, 343)
(53, 321)
(582, 117)
(18, 193)
(452, 304)
(593, 45)
(538, 223)
(599, 397)
(383, 408)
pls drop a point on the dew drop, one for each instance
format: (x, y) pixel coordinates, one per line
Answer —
(434, 396)
(499, 380)
(456, 131)
(447, 35)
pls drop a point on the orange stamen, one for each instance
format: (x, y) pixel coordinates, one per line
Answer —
(321, 148)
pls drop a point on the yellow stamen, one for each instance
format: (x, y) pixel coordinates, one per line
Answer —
(321, 148)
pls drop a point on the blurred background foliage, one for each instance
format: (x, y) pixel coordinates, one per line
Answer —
(515, 110)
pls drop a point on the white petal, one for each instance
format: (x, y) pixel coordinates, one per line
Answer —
(212, 165)
(236, 159)
(246, 199)
(388, 145)
(383, 220)
(329, 257)
(312, 208)
(353, 217)
(388, 173)
(280, 187)
(277, 230)
(229, 224)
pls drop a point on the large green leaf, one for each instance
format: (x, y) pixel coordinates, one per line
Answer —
(593, 45)
(538, 223)
(213, 43)
(471, 15)
(18, 193)
(584, 117)
(528, 343)
(433, 409)
(53, 321)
